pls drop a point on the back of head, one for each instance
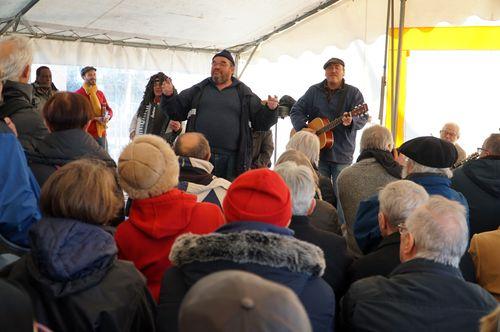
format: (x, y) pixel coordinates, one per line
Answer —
(258, 195)
(377, 137)
(241, 301)
(492, 145)
(301, 184)
(398, 199)
(84, 190)
(298, 158)
(148, 167)
(307, 143)
(15, 54)
(440, 230)
(67, 110)
(192, 145)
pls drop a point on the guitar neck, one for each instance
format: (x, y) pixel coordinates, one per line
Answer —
(330, 126)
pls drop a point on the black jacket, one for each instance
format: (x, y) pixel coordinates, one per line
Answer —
(419, 295)
(62, 147)
(76, 283)
(334, 248)
(266, 250)
(385, 258)
(18, 106)
(479, 181)
(261, 118)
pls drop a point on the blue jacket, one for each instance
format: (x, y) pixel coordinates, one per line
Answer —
(19, 190)
(266, 250)
(314, 104)
(366, 230)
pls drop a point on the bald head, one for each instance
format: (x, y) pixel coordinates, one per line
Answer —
(16, 56)
(450, 132)
(192, 145)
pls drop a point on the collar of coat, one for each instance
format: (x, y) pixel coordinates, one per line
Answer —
(250, 243)
(204, 165)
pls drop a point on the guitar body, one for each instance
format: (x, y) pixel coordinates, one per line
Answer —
(326, 138)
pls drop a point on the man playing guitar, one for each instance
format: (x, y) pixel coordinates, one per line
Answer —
(332, 98)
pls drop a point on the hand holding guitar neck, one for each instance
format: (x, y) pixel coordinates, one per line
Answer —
(347, 119)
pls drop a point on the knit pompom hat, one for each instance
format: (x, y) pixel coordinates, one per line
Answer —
(148, 167)
(258, 195)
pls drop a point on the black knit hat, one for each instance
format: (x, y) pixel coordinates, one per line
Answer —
(226, 54)
(430, 151)
(86, 69)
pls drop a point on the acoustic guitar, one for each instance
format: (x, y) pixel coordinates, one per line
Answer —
(323, 127)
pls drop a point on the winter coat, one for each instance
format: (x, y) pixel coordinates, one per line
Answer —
(195, 178)
(266, 250)
(366, 229)
(479, 181)
(76, 283)
(484, 250)
(334, 248)
(356, 183)
(153, 225)
(92, 129)
(253, 113)
(324, 217)
(419, 295)
(263, 147)
(19, 191)
(18, 106)
(62, 147)
(385, 258)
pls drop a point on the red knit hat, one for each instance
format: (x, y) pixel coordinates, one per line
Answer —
(258, 195)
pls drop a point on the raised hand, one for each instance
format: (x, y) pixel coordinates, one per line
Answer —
(167, 88)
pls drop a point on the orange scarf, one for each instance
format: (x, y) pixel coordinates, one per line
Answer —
(91, 91)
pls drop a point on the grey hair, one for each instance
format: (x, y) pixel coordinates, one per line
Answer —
(440, 230)
(492, 144)
(14, 62)
(299, 180)
(377, 137)
(307, 143)
(398, 199)
(419, 168)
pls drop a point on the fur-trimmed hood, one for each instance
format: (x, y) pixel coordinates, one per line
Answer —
(236, 244)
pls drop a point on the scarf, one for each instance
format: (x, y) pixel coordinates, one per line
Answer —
(91, 91)
(385, 159)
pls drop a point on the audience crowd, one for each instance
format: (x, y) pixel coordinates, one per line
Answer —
(410, 243)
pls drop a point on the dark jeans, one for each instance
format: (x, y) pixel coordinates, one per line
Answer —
(103, 142)
(224, 165)
(331, 170)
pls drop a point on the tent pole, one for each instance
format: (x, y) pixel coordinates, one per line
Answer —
(383, 80)
(248, 61)
(398, 68)
(16, 18)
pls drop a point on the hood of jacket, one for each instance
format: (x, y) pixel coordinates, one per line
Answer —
(485, 173)
(62, 147)
(15, 92)
(163, 216)
(69, 256)
(250, 242)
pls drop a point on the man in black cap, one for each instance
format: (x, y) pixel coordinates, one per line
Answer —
(226, 111)
(332, 98)
(101, 111)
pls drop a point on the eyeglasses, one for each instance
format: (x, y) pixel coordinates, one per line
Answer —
(481, 150)
(402, 228)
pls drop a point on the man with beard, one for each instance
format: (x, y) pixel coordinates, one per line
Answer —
(226, 111)
(148, 118)
(101, 111)
(43, 87)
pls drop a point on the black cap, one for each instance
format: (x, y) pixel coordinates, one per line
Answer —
(86, 69)
(430, 151)
(226, 54)
(334, 60)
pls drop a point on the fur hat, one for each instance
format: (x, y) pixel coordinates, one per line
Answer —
(430, 151)
(258, 195)
(148, 167)
(241, 301)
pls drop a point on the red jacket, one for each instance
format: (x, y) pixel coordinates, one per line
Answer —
(92, 130)
(153, 225)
